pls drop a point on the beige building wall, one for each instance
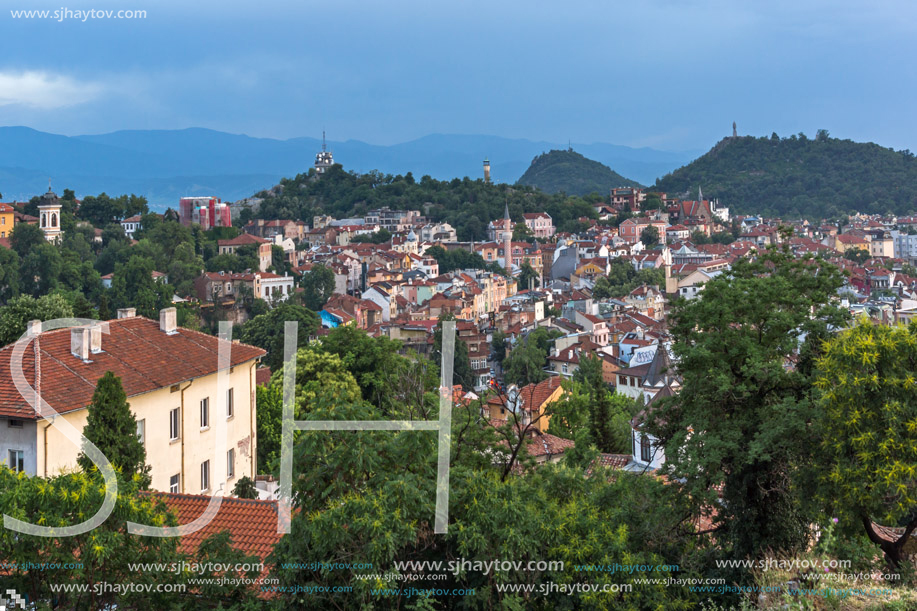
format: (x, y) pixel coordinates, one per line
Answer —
(183, 456)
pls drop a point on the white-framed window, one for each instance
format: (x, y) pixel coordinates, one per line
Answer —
(230, 463)
(174, 482)
(230, 408)
(205, 476)
(174, 430)
(17, 460)
(141, 432)
(205, 412)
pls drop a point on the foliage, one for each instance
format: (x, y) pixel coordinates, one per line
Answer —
(462, 373)
(103, 210)
(20, 310)
(450, 260)
(650, 236)
(266, 331)
(866, 376)
(245, 488)
(466, 204)
(622, 278)
(133, 286)
(498, 345)
(377, 237)
(24, 237)
(318, 286)
(112, 427)
(528, 277)
(525, 364)
(796, 177)
(748, 409)
(569, 172)
(373, 361)
(103, 555)
(9, 274)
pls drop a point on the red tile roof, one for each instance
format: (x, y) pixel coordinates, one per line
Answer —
(251, 523)
(242, 240)
(145, 358)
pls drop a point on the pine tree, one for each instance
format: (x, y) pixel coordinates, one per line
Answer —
(113, 429)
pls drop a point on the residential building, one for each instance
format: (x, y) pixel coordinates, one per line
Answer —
(208, 212)
(263, 247)
(182, 402)
(7, 220)
(540, 224)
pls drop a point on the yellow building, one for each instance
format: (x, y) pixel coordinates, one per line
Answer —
(6, 220)
(170, 376)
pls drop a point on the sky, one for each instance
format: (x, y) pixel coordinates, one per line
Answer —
(666, 74)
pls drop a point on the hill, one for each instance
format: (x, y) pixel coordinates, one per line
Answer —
(799, 177)
(569, 172)
(164, 164)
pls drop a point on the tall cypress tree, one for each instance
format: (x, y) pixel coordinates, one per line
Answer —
(113, 429)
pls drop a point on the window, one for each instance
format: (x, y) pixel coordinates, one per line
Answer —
(174, 431)
(564, 368)
(17, 460)
(173, 483)
(230, 464)
(229, 406)
(205, 412)
(205, 476)
(14, 424)
(141, 432)
(646, 451)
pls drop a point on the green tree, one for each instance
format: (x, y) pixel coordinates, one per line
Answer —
(9, 274)
(522, 233)
(498, 345)
(525, 364)
(528, 277)
(462, 373)
(245, 488)
(749, 411)
(318, 286)
(133, 286)
(24, 237)
(112, 427)
(374, 362)
(650, 236)
(266, 331)
(20, 310)
(40, 269)
(867, 458)
(602, 288)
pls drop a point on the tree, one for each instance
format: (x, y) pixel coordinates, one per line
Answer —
(528, 277)
(522, 233)
(133, 286)
(525, 364)
(462, 373)
(498, 345)
(373, 361)
(40, 269)
(112, 427)
(749, 411)
(857, 255)
(318, 286)
(649, 236)
(602, 288)
(245, 488)
(20, 310)
(266, 331)
(101, 210)
(9, 274)
(24, 237)
(867, 452)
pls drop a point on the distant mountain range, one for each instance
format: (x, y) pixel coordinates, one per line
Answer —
(571, 173)
(164, 165)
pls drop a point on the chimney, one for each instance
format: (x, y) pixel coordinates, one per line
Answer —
(126, 313)
(79, 343)
(95, 337)
(33, 327)
(167, 321)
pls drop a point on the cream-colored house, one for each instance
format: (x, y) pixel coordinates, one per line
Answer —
(170, 376)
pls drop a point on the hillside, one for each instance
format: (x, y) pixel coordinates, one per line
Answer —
(571, 173)
(799, 177)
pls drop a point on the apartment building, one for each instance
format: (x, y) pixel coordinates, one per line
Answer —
(170, 376)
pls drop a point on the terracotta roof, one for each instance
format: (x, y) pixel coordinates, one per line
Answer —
(242, 240)
(145, 358)
(262, 376)
(545, 444)
(251, 523)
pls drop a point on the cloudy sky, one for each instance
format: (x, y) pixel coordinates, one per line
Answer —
(670, 74)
